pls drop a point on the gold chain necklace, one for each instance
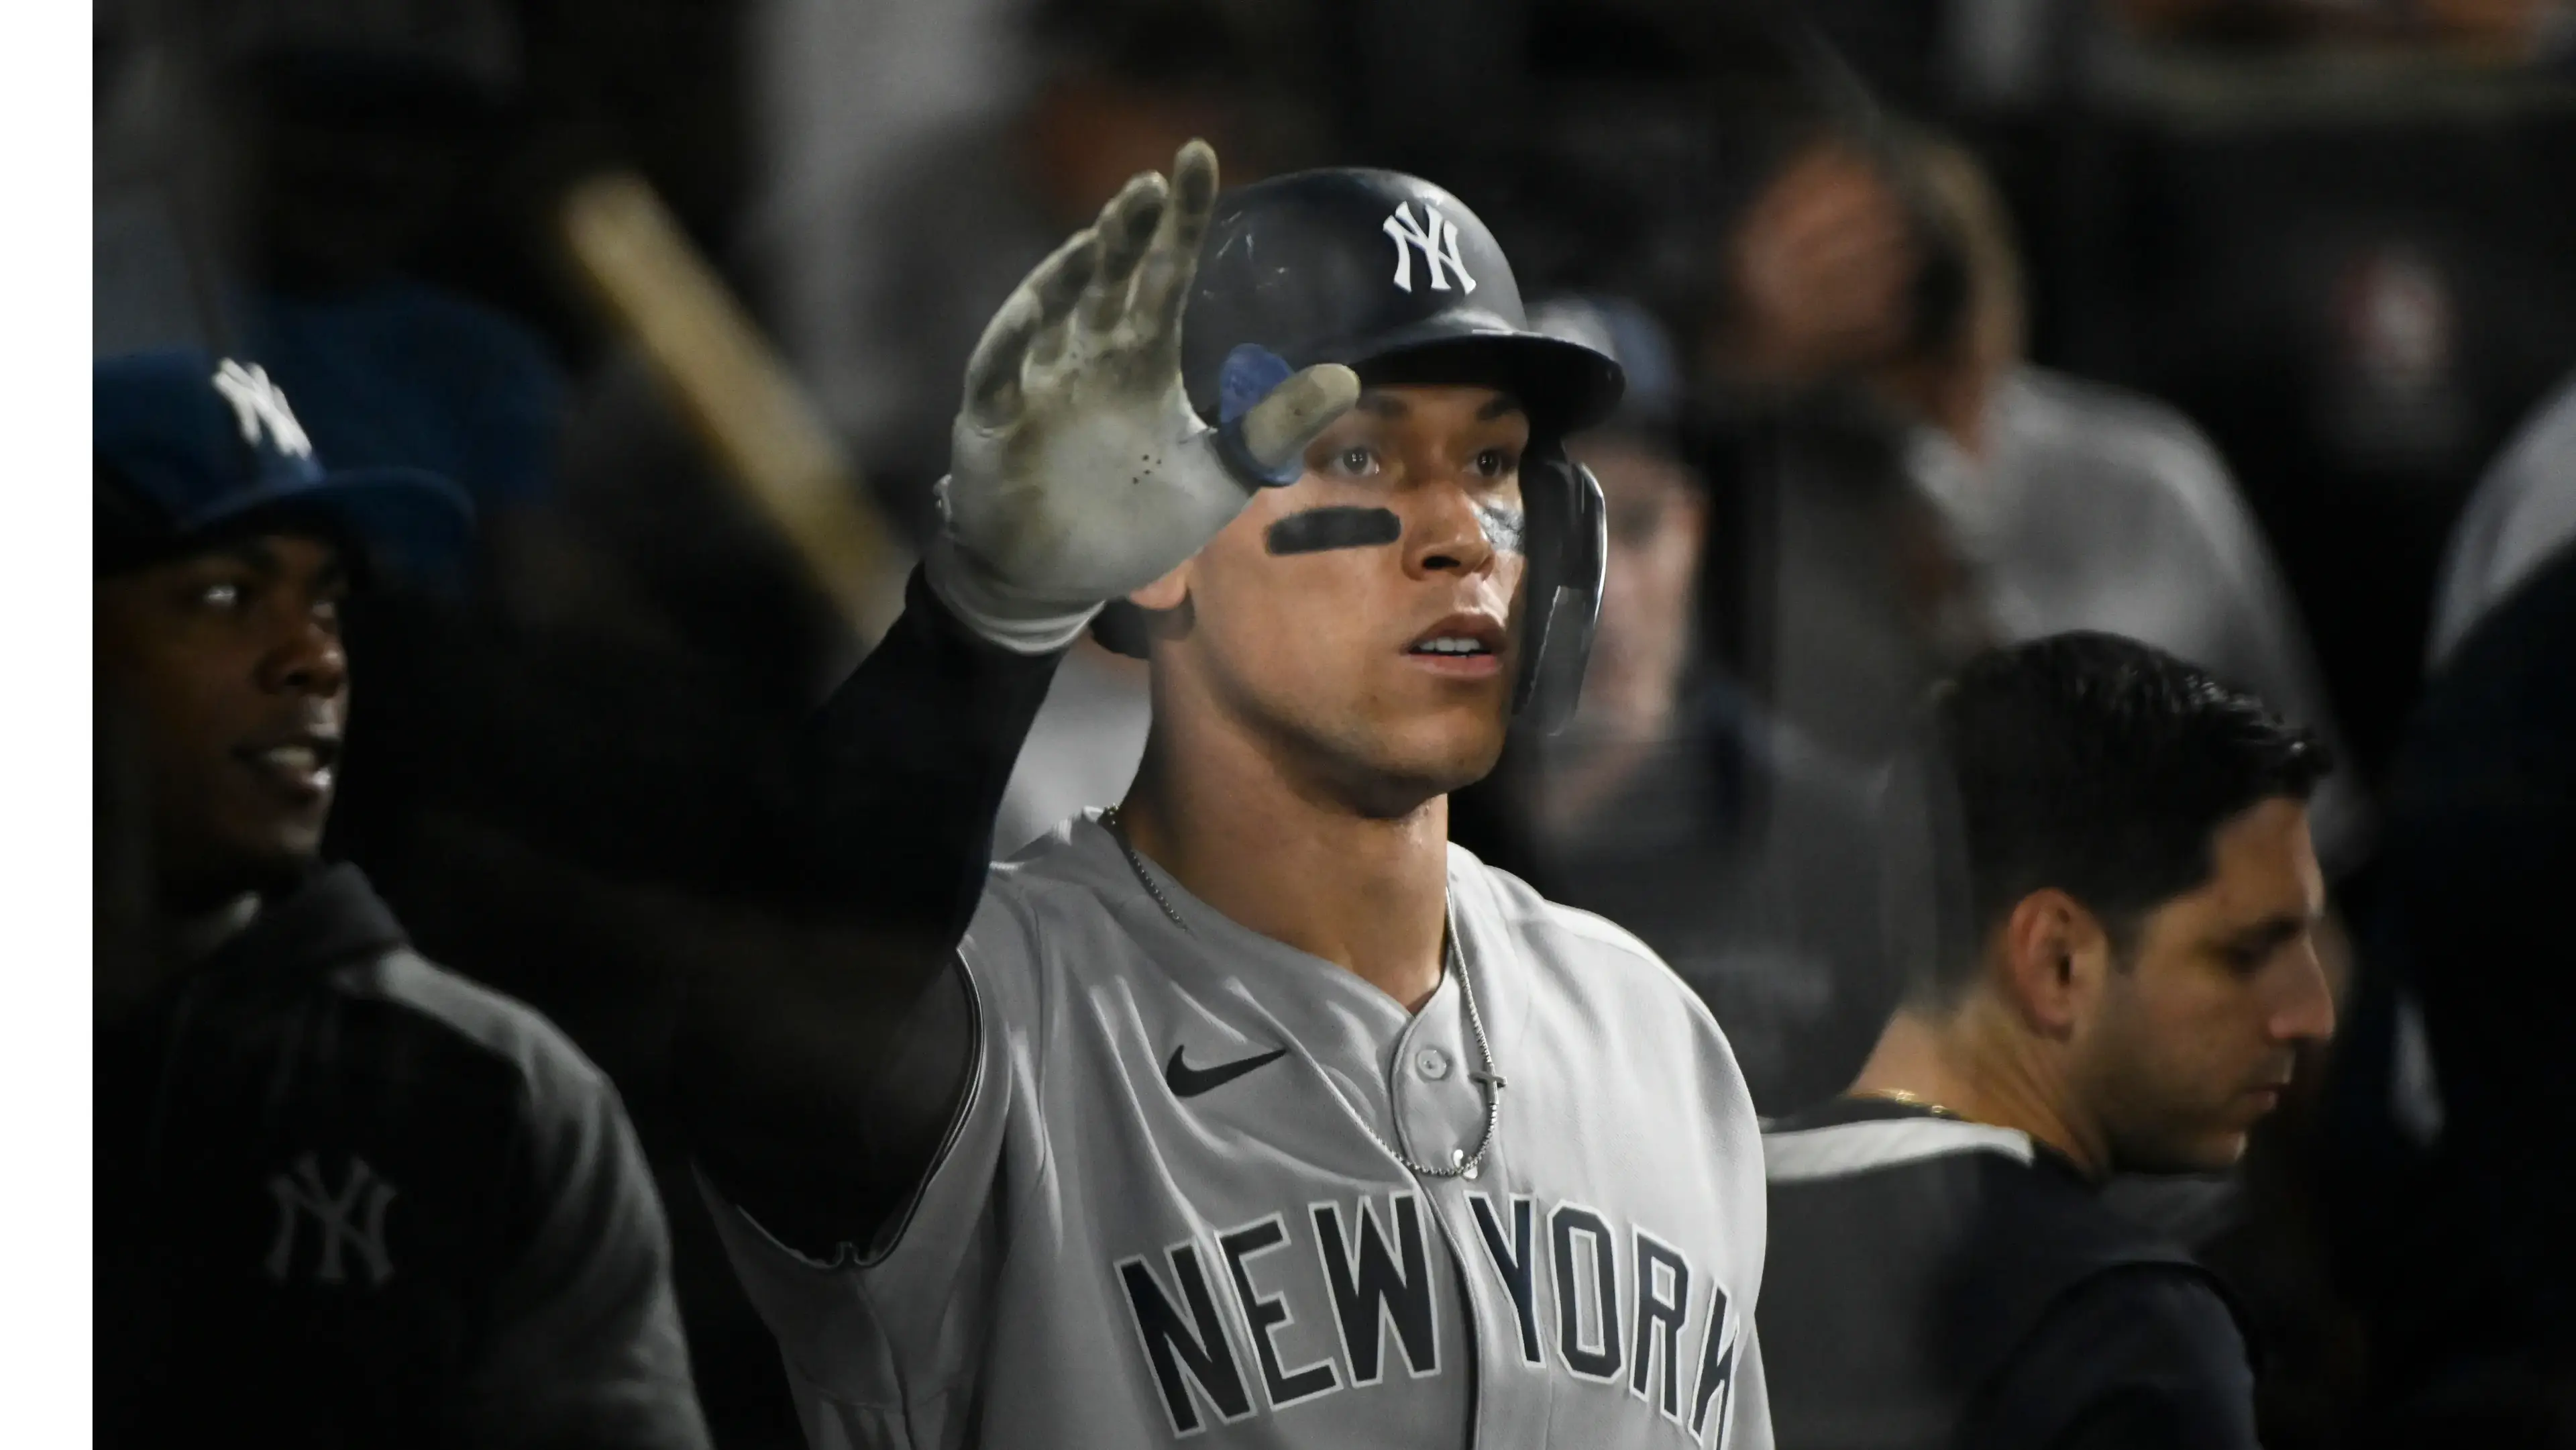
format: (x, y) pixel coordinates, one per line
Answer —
(1911, 1100)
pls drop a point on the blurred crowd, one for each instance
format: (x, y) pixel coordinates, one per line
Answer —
(2243, 327)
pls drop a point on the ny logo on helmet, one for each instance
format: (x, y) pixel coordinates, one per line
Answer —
(258, 404)
(1436, 238)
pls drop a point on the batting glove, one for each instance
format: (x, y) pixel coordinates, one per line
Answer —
(1078, 469)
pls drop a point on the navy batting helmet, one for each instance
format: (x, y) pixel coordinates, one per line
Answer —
(1397, 279)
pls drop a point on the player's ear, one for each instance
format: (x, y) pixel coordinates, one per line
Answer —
(1168, 592)
(2052, 955)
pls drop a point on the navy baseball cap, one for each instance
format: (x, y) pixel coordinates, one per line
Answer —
(187, 445)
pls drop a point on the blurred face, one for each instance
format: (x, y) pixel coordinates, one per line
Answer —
(1360, 623)
(2194, 1040)
(1658, 525)
(1818, 271)
(230, 663)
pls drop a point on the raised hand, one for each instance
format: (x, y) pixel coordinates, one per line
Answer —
(1078, 470)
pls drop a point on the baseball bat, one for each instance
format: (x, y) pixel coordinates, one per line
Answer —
(737, 395)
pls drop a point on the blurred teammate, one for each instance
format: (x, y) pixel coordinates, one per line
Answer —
(2083, 505)
(1673, 803)
(2464, 1266)
(1859, 595)
(344, 1197)
(1113, 88)
(1253, 1112)
(1892, 268)
(2117, 974)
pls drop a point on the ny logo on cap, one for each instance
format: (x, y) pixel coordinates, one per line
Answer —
(259, 405)
(1436, 238)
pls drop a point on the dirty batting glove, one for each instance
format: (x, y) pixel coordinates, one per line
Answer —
(1078, 470)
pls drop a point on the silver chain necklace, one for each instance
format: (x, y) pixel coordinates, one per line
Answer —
(1462, 1164)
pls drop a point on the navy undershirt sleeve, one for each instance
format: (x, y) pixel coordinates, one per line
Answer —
(820, 1062)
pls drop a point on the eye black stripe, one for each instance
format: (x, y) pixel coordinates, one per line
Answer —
(1335, 526)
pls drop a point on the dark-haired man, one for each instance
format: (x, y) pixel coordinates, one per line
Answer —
(2119, 890)
(343, 1196)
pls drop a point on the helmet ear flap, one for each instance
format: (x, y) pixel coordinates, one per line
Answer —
(1120, 629)
(1569, 545)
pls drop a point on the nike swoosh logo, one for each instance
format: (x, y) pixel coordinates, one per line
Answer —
(1188, 1082)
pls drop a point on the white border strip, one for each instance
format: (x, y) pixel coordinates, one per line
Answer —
(1847, 1148)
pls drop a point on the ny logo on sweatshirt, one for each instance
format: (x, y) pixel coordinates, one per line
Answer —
(350, 1218)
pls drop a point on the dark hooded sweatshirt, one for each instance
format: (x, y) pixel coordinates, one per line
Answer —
(345, 1197)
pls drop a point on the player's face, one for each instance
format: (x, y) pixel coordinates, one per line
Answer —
(1361, 622)
(231, 663)
(2195, 1039)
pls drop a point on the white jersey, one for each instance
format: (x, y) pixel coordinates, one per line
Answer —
(1168, 1209)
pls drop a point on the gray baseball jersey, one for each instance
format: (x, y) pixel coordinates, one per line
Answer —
(1168, 1208)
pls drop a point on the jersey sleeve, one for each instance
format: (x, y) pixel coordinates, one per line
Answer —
(586, 1347)
(2141, 1358)
(881, 1337)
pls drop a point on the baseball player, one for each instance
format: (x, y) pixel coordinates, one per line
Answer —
(343, 1195)
(1249, 1112)
(2106, 872)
